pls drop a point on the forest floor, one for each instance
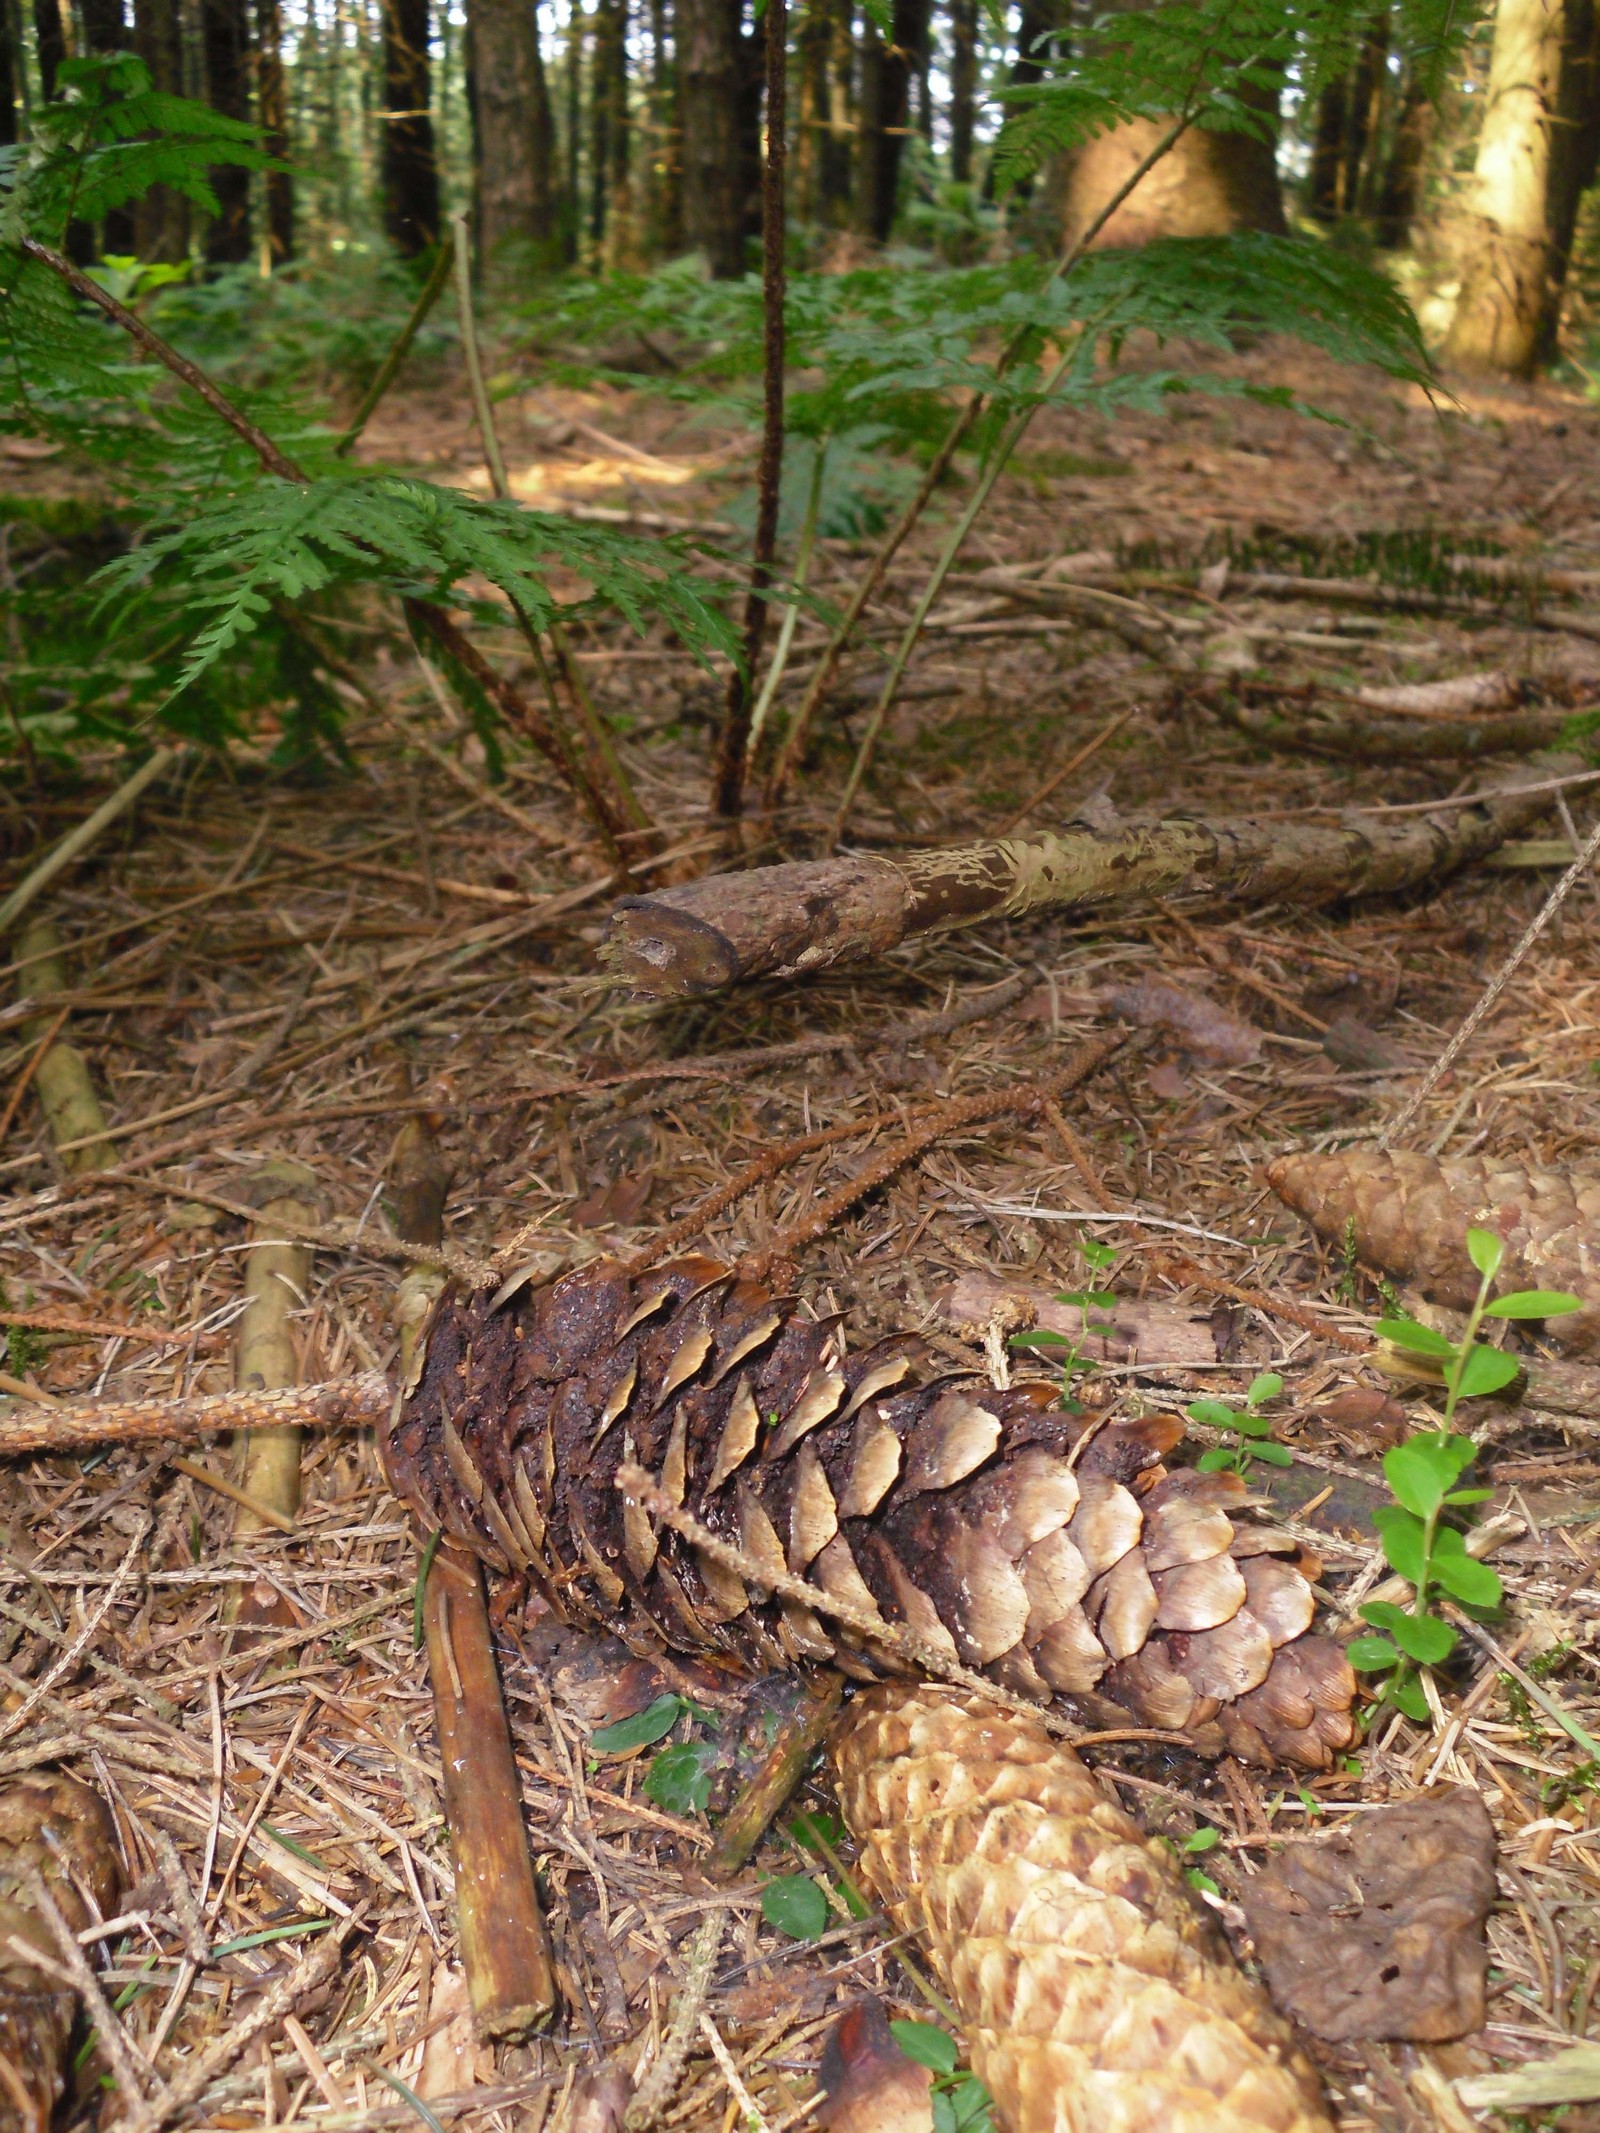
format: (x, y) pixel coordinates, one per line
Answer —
(267, 964)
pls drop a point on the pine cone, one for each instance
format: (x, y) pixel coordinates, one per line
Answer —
(1094, 1991)
(1058, 1556)
(1409, 1215)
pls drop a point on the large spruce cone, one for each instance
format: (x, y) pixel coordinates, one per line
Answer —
(1058, 1556)
(1409, 1214)
(1095, 1994)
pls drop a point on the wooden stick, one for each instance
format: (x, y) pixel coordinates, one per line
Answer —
(60, 856)
(771, 1786)
(277, 1274)
(505, 1947)
(787, 920)
(388, 369)
(361, 1402)
(60, 1072)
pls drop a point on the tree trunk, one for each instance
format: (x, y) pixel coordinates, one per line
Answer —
(610, 214)
(514, 214)
(105, 31)
(273, 112)
(1400, 195)
(571, 208)
(9, 76)
(710, 79)
(1327, 152)
(50, 32)
(161, 216)
(225, 36)
(546, 183)
(1574, 153)
(1209, 185)
(1502, 235)
(963, 86)
(410, 173)
(665, 161)
(886, 74)
(1365, 113)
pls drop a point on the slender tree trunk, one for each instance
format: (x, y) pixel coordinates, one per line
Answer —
(666, 190)
(161, 216)
(542, 124)
(963, 86)
(410, 172)
(273, 112)
(811, 103)
(225, 35)
(1327, 152)
(838, 143)
(512, 217)
(50, 34)
(10, 73)
(1365, 112)
(105, 31)
(570, 204)
(1574, 153)
(886, 77)
(610, 212)
(1502, 236)
(1400, 195)
(710, 79)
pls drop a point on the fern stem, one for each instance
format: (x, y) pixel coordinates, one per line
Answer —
(994, 467)
(388, 369)
(791, 617)
(728, 773)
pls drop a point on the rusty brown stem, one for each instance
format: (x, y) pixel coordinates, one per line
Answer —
(769, 1789)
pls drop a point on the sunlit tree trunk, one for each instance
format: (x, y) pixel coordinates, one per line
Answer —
(161, 216)
(515, 223)
(1209, 185)
(710, 82)
(273, 114)
(963, 86)
(410, 172)
(225, 36)
(1535, 153)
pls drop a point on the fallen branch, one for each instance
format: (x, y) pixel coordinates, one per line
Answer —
(1393, 740)
(60, 1072)
(359, 1402)
(785, 920)
(76, 842)
(276, 1277)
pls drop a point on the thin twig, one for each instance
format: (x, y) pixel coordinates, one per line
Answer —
(76, 842)
(388, 369)
(656, 2091)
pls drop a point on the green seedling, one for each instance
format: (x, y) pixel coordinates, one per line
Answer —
(1423, 1476)
(1096, 1257)
(1252, 1430)
(961, 2103)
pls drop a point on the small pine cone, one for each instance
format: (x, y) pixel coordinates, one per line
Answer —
(1061, 1558)
(1093, 1990)
(1409, 1215)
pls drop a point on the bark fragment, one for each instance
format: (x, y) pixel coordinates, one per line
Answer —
(1380, 1931)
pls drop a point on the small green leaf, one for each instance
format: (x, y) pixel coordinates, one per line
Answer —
(1201, 1840)
(793, 1904)
(1469, 1495)
(1413, 1472)
(642, 1730)
(1216, 1461)
(1272, 1454)
(1473, 1583)
(969, 2103)
(1424, 1638)
(1485, 1250)
(1263, 1388)
(1401, 1535)
(679, 1780)
(1488, 1370)
(1038, 1339)
(1097, 1255)
(1535, 1303)
(1251, 1425)
(926, 2046)
(1371, 1655)
(1406, 1333)
(1408, 1696)
(1089, 1299)
(816, 1830)
(1212, 1412)
(1203, 1882)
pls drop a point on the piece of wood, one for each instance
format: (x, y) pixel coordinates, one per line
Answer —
(61, 1075)
(770, 1787)
(359, 1402)
(787, 920)
(505, 1947)
(277, 1273)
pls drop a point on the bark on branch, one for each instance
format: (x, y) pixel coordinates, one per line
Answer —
(784, 920)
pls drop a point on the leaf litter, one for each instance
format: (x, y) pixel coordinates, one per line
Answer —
(276, 1793)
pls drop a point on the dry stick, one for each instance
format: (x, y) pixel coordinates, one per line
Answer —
(767, 1791)
(728, 772)
(60, 1072)
(806, 915)
(948, 1118)
(276, 1278)
(656, 2091)
(1000, 454)
(1497, 985)
(424, 616)
(24, 1081)
(389, 368)
(605, 769)
(505, 1948)
(361, 1401)
(60, 857)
